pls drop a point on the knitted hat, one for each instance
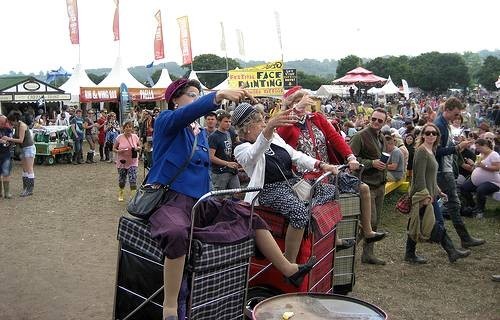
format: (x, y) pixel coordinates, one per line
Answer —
(291, 91)
(241, 113)
(173, 87)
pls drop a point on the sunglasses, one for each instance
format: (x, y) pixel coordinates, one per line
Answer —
(428, 133)
(379, 120)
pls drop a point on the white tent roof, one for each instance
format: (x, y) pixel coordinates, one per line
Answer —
(193, 76)
(389, 87)
(78, 79)
(221, 86)
(164, 80)
(327, 90)
(119, 75)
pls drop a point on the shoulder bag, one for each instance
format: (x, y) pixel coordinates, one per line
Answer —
(148, 198)
(403, 204)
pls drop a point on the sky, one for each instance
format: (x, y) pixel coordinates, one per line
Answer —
(34, 34)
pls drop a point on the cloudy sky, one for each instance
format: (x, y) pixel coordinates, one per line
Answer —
(34, 34)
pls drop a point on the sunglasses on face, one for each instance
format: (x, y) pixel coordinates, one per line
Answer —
(428, 133)
(379, 120)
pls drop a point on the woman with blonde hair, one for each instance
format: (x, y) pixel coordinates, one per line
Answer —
(425, 191)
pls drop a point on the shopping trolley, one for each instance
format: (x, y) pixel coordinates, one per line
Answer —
(215, 278)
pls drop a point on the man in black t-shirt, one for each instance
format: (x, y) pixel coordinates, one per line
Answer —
(224, 170)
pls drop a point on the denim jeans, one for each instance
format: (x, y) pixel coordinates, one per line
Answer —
(447, 184)
(483, 190)
(438, 231)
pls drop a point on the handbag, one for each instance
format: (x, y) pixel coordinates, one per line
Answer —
(148, 198)
(325, 217)
(403, 204)
(302, 189)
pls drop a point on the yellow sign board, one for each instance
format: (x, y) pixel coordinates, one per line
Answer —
(262, 80)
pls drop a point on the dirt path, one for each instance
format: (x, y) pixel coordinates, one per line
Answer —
(58, 256)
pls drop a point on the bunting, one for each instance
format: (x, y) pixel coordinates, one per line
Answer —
(185, 40)
(116, 21)
(74, 32)
(158, 45)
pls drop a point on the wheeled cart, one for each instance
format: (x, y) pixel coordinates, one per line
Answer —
(216, 275)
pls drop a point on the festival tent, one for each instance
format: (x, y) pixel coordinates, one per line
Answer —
(193, 76)
(164, 80)
(334, 90)
(78, 79)
(119, 75)
(221, 86)
(360, 76)
(389, 87)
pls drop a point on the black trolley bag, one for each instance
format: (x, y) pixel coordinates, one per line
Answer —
(215, 278)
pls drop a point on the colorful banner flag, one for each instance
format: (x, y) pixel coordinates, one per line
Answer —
(261, 80)
(74, 32)
(241, 42)
(223, 38)
(406, 89)
(116, 22)
(185, 38)
(158, 45)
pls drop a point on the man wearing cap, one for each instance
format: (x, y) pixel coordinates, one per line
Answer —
(5, 159)
(77, 128)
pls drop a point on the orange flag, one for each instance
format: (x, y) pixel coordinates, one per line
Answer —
(185, 37)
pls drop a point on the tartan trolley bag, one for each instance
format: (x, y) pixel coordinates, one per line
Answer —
(215, 283)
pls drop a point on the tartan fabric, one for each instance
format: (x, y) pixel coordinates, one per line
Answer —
(325, 217)
(219, 279)
(349, 204)
(205, 256)
(136, 233)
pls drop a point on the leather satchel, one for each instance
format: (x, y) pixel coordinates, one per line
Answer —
(150, 198)
(403, 204)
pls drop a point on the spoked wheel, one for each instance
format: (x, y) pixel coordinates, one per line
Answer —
(50, 160)
(256, 295)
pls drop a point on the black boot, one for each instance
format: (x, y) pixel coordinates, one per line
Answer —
(89, 155)
(25, 183)
(410, 255)
(466, 239)
(30, 185)
(453, 253)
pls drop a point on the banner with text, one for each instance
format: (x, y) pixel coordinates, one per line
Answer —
(112, 94)
(185, 38)
(262, 80)
(289, 78)
(116, 22)
(158, 45)
(74, 33)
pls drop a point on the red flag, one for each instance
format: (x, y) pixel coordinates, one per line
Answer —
(159, 48)
(74, 33)
(187, 55)
(116, 21)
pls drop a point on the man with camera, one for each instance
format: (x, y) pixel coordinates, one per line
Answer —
(127, 146)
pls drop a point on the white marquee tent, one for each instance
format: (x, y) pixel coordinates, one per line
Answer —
(164, 80)
(119, 75)
(193, 76)
(388, 88)
(78, 79)
(334, 90)
(221, 86)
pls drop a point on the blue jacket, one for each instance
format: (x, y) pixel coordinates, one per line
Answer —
(442, 149)
(173, 140)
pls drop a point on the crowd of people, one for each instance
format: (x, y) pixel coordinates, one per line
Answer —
(448, 147)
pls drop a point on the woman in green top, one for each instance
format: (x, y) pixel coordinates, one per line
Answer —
(424, 180)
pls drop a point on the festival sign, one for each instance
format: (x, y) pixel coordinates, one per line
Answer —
(99, 94)
(289, 78)
(261, 80)
(146, 94)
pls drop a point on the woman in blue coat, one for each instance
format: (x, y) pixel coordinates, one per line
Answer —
(173, 137)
